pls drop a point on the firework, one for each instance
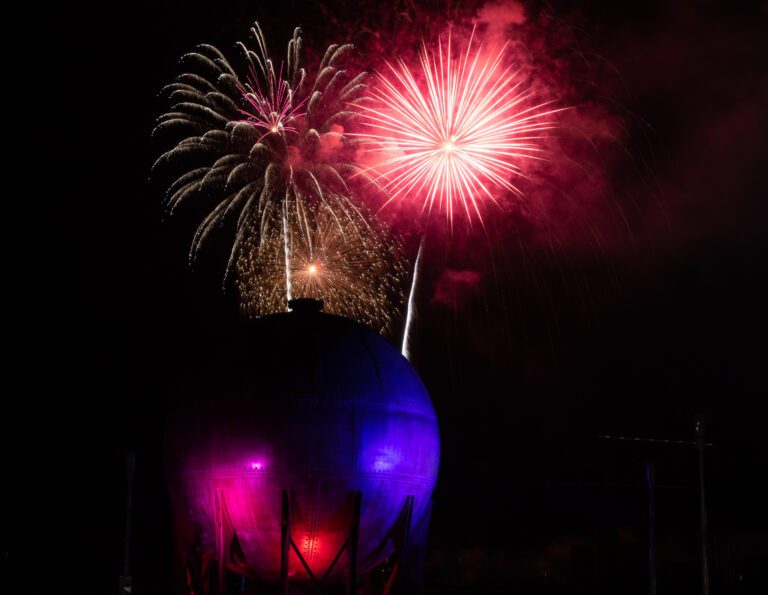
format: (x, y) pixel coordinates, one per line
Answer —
(246, 146)
(335, 255)
(453, 131)
(405, 348)
(272, 110)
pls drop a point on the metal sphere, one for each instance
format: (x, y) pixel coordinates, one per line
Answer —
(316, 405)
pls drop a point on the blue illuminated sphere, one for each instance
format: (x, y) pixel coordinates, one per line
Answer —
(310, 403)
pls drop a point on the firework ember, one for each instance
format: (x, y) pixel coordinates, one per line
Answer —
(354, 266)
(453, 131)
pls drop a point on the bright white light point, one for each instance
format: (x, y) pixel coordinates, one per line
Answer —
(274, 128)
(256, 466)
(448, 146)
(312, 269)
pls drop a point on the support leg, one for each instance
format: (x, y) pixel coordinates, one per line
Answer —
(403, 566)
(285, 543)
(354, 535)
(220, 547)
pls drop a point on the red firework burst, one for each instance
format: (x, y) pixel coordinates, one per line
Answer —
(454, 130)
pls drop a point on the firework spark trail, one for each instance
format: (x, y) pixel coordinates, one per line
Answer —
(410, 312)
(459, 136)
(339, 256)
(287, 251)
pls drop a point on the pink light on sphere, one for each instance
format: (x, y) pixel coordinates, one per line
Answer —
(453, 130)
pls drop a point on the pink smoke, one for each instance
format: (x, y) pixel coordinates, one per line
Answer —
(455, 287)
(498, 17)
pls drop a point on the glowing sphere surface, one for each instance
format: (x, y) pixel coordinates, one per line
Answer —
(310, 403)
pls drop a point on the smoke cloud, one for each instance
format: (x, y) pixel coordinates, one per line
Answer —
(454, 287)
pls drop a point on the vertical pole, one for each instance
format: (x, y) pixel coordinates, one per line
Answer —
(220, 548)
(354, 535)
(285, 543)
(130, 467)
(650, 475)
(404, 567)
(125, 578)
(702, 499)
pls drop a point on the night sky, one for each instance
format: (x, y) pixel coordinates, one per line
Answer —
(636, 304)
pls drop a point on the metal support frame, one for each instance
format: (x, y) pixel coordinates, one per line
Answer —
(218, 512)
(400, 536)
(391, 580)
(403, 558)
(125, 577)
(650, 476)
(700, 444)
(354, 535)
(287, 544)
(285, 539)
(197, 567)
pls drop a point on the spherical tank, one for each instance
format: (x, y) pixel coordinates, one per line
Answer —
(314, 406)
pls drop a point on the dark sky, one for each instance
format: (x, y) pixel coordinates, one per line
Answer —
(528, 361)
